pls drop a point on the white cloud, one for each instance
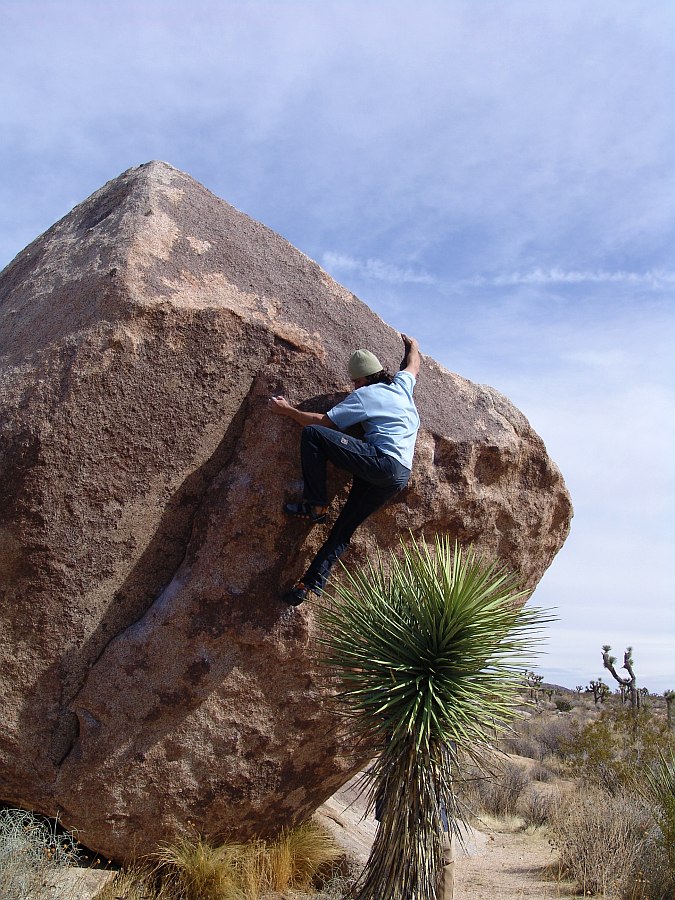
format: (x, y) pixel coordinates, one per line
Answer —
(496, 176)
(374, 269)
(434, 130)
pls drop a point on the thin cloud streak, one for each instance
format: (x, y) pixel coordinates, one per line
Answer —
(654, 279)
(374, 269)
(379, 270)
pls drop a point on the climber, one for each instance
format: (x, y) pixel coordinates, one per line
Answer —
(380, 464)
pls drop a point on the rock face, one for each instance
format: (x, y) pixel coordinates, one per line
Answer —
(150, 675)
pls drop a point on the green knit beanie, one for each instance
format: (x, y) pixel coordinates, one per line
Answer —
(363, 363)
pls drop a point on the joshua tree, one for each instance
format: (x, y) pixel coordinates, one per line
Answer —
(533, 681)
(426, 650)
(599, 690)
(579, 688)
(609, 662)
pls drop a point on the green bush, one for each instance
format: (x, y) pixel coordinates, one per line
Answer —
(426, 652)
(612, 750)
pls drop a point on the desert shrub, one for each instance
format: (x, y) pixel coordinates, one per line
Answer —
(562, 705)
(553, 735)
(32, 852)
(522, 745)
(339, 885)
(495, 792)
(541, 772)
(601, 839)
(593, 755)
(557, 767)
(540, 736)
(616, 747)
(536, 805)
(651, 879)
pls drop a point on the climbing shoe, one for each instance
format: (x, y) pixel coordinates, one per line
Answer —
(303, 510)
(296, 595)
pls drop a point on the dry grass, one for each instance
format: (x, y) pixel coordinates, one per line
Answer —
(197, 870)
(300, 854)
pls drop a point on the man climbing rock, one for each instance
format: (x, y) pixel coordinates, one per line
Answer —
(380, 463)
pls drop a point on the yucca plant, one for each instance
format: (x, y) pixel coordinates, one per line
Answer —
(658, 787)
(428, 649)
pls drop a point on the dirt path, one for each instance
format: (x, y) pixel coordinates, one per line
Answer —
(508, 866)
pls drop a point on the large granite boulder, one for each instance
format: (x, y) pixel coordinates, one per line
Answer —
(150, 675)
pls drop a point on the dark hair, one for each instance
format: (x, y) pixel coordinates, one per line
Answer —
(381, 377)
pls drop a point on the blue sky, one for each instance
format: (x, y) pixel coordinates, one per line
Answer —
(493, 177)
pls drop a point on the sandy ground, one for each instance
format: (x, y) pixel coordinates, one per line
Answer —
(509, 866)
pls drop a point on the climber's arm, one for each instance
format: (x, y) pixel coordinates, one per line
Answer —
(411, 361)
(281, 407)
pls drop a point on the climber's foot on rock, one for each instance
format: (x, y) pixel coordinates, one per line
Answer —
(296, 595)
(304, 510)
(299, 593)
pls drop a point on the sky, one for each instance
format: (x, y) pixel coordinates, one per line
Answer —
(492, 176)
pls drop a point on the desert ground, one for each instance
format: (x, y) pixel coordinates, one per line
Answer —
(512, 849)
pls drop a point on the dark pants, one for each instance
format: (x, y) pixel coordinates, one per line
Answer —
(376, 479)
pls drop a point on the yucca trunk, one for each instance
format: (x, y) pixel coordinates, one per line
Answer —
(410, 820)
